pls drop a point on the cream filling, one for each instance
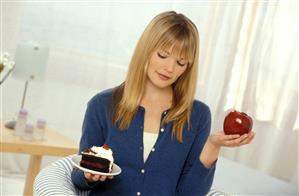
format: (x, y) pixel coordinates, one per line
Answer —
(104, 153)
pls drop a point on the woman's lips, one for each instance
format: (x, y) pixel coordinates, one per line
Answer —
(163, 77)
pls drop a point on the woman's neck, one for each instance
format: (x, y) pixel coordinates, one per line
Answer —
(153, 94)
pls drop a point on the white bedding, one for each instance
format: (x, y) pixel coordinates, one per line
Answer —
(234, 178)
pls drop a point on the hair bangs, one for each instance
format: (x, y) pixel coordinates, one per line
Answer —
(181, 45)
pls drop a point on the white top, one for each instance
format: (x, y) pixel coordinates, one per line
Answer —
(149, 140)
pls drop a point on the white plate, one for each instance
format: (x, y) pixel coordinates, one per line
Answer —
(116, 170)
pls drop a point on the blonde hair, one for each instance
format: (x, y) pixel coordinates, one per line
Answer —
(164, 31)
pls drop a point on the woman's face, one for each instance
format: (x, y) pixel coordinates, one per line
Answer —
(164, 68)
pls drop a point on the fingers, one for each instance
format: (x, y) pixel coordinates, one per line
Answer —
(231, 137)
(241, 140)
(236, 142)
(87, 175)
(223, 137)
(248, 139)
(94, 177)
(103, 178)
(91, 177)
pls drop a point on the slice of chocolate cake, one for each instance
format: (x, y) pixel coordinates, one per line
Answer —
(97, 159)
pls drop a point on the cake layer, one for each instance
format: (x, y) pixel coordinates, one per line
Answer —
(95, 163)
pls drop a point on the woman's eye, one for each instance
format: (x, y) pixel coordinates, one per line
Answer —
(181, 63)
(161, 55)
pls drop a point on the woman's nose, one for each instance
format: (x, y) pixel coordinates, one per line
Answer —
(170, 65)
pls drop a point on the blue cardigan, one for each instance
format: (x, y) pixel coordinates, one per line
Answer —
(172, 168)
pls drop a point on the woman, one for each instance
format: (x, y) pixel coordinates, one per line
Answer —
(160, 135)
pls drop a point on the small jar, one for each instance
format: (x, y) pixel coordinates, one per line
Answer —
(28, 133)
(39, 132)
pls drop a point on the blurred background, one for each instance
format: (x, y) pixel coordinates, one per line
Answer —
(248, 61)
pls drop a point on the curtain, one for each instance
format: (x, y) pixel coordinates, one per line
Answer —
(258, 76)
(264, 78)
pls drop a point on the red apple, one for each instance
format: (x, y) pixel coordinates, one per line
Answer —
(237, 123)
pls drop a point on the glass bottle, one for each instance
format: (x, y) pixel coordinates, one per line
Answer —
(21, 122)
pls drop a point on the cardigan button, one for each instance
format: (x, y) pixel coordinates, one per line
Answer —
(142, 171)
(162, 129)
(153, 149)
(138, 193)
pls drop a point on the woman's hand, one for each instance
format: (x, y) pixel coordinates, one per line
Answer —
(219, 139)
(95, 177)
(216, 140)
